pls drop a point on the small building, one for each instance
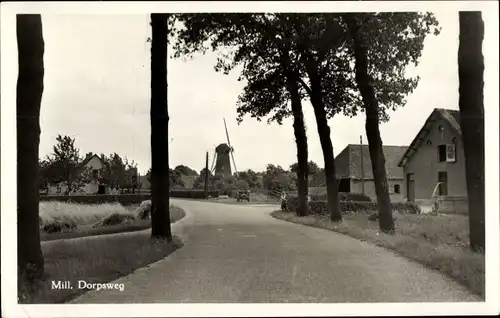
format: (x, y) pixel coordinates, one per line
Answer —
(354, 169)
(434, 163)
(96, 165)
(188, 181)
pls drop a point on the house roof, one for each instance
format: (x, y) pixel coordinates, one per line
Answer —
(348, 162)
(88, 158)
(449, 115)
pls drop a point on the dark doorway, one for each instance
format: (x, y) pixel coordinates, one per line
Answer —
(101, 190)
(442, 153)
(443, 179)
(344, 185)
(410, 187)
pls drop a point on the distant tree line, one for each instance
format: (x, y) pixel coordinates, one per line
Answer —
(274, 179)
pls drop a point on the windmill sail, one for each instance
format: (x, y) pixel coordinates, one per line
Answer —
(232, 150)
(213, 162)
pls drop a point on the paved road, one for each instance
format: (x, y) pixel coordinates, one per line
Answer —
(241, 254)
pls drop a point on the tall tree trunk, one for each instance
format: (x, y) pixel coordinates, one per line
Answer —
(299, 130)
(160, 212)
(375, 145)
(29, 96)
(332, 192)
(471, 104)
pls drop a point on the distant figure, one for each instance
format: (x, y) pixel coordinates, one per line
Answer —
(284, 197)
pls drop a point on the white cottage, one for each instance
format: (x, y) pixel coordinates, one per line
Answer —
(96, 166)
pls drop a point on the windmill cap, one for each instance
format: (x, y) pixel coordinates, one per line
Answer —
(222, 147)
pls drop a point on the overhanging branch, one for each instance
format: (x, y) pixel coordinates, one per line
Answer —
(306, 87)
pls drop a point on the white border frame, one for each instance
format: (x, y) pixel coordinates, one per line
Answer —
(8, 161)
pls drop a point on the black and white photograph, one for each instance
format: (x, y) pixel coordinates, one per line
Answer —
(249, 158)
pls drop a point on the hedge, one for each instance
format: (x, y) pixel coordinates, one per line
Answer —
(125, 199)
(320, 207)
(193, 194)
(344, 196)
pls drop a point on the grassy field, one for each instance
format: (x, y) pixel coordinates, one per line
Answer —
(86, 218)
(79, 214)
(439, 242)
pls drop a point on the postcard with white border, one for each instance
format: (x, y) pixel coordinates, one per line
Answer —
(253, 158)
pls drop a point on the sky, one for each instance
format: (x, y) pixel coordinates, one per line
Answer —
(97, 90)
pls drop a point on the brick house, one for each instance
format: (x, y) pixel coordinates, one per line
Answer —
(350, 173)
(434, 163)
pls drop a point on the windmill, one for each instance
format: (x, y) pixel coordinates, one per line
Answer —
(223, 155)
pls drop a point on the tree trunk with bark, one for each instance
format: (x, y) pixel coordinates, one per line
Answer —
(332, 192)
(299, 130)
(160, 207)
(375, 144)
(471, 104)
(29, 96)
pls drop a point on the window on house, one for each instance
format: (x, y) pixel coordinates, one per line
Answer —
(451, 153)
(397, 189)
(447, 153)
(58, 189)
(442, 153)
(95, 173)
(390, 189)
(443, 182)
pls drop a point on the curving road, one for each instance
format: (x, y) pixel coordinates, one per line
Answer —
(241, 254)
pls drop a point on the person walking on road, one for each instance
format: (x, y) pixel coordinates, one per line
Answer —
(284, 197)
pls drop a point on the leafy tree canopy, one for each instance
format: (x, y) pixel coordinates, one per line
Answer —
(185, 170)
(256, 43)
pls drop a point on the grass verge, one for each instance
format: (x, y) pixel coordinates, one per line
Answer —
(78, 214)
(95, 259)
(176, 214)
(98, 260)
(438, 242)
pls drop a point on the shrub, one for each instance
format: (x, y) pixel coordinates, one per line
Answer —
(192, 194)
(292, 203)
(321, 207)
(114, 219)
(318, 207)
(407, 207)
(123, 199)
(344, 196)
(143, 212)
(78, 214)
(352, 206)
(359, 197)
(357, 206)
(59, 226)
(233, 194)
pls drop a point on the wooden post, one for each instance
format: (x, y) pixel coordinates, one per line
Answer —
(206, 177)
(362, 164)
